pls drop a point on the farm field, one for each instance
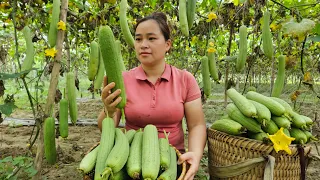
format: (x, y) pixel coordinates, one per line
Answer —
(14, 140)
(55, 55)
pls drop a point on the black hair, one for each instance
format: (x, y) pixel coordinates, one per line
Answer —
(161, 19)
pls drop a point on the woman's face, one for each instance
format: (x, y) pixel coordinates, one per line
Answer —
(150, 44)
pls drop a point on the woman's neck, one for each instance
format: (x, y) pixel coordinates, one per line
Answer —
(154, 72)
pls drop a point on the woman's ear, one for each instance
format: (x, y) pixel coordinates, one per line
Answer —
(168, 45)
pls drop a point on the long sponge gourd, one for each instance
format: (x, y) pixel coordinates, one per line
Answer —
(171, 172)
(242, 55)
(267, 36)
(97, 83)
(71, 91)
(183, 17)
(235, 114)
(94, 60)
(53, 30)
(205, 76)
(124, 23)
(28, 61)
(134, 163)
(191, 11)
(150, 153)
(212, 64)
(106, 144)
(89, 161)
(278, 85)
(49, 140)
(111, 60)
(118, 156)
(118, 45)
(243, 104)
(63, 118)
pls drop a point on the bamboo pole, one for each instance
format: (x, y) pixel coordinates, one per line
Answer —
(52, 89)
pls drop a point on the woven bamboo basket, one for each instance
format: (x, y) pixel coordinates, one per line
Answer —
(182, 169)
(225, 150)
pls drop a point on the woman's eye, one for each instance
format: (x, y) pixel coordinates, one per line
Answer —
(152, 38)
(138, 39)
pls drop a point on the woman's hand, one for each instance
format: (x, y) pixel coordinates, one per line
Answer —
(110, 100)
(193, 161)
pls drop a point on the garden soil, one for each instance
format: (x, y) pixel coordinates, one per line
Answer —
(14, 142)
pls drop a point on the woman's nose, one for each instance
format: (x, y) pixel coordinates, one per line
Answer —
(144, 44)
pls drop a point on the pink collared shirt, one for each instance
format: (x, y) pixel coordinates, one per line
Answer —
(161, 104)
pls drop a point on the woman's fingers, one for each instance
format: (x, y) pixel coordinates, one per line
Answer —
(116, 102)
(111, 98)
(191, 160)
(184, 157)
(106, 90)
(190, 173)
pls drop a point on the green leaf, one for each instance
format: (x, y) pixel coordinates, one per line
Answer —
(31, 171)
(213, 3)
(314, 38)
(4, 76)
(316, 29)
(154, 2)
(11, 178)
(294, 28)
(7, 108)
(204, 4)
(6, 159)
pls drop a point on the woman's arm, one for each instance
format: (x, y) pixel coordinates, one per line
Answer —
(197, 136)
(197, 131)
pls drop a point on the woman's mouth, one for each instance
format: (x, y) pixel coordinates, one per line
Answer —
(144, 54)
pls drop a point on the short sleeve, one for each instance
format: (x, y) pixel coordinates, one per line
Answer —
(192, 88)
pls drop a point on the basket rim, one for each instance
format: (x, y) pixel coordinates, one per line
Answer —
(184, 164)
(215, 137)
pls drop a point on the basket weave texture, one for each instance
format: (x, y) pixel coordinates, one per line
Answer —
(224, 149)
(182, 167)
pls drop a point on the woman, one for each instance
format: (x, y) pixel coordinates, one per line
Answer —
(160, 94)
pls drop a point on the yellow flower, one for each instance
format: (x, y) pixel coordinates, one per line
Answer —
(194, 39)
(211, 17)
(281, 141)
(62, 25)
(273, 27)
(307, 76)
(51, 52)
(236, 2)
(301, 37)
(112, 1)
(211, 50)
(4, 5)
(211, 44)
(134, 22)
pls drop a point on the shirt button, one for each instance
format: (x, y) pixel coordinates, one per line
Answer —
(154, 98)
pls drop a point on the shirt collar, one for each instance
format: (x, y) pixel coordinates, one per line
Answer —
(141, 75)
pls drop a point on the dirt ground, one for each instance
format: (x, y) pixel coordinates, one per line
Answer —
(13, 142)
